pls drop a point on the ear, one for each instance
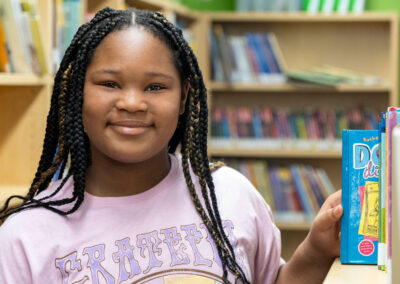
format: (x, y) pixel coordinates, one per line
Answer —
(184, 95)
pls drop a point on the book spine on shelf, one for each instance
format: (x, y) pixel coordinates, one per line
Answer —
(382, 248)
(19, 51)
(395, 273)
(4, 61)
(392, 119)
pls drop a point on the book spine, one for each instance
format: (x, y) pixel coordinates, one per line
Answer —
(343, 6)
(301, 190)
(4, 63)
(382, 174)
(392, 119)
(395, 276)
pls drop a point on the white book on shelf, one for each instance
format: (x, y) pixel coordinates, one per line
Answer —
(243, 73)
(343, 6)
(243, 5)
(394, 274)
(328, 7)
(313, 6)
(358, 6)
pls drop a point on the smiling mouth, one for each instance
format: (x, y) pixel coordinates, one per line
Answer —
(130, 127)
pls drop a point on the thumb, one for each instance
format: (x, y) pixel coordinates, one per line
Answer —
(328, 218)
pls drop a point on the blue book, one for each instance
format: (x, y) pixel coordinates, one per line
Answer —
(360, 196)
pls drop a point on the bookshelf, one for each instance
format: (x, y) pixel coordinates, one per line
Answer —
(366, 42)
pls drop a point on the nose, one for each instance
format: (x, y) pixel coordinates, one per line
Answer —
(131, 100)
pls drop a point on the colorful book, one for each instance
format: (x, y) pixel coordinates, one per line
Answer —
(4, 64)
(392, 119)
(19, 51)
(382, 248)
(360, 197)
(395, 275)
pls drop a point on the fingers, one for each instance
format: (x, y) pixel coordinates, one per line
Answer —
(328, 218)
(332, 200)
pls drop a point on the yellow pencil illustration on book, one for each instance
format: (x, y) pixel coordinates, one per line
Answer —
(369, 222)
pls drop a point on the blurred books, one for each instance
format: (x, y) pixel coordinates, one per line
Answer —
(295, 193)
(310, 6)
(282, 128)
(21, 40)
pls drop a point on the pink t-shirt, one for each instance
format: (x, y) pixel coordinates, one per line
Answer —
(153, 237)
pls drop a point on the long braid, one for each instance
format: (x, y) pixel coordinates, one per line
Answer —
(196, 152)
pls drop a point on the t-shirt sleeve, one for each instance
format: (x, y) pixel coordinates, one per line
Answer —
(268, 257)
(14, 267)
(259, 235)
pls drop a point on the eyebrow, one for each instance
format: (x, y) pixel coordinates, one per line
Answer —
(149, 74)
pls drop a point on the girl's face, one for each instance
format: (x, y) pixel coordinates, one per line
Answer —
(132, 97)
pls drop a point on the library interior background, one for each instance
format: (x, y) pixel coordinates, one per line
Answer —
(284, 77)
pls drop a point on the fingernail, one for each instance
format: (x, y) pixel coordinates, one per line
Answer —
(337, 210)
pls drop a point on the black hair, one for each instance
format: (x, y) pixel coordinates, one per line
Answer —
(65, 138)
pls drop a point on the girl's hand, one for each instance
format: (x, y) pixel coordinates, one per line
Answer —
(315, 255)
(323, 240)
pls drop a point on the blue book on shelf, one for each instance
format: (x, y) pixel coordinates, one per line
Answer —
(360, 196)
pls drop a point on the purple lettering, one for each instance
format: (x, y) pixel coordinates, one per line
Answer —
(228, 226)
(96, 256)
(217, 259)
(145, 242)
(73, 265)
(371, 171)
(194, 237)
(125, 253)
(172, 239)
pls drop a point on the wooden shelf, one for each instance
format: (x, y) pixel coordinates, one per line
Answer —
(293, 226)
(285, 153)
(12, 79)
(295, 87)
(8, 190)
(299, 17)
(351, 273)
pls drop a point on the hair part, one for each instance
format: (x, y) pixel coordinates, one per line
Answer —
(65, 137)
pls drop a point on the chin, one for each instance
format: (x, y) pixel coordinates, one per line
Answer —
(135, 157)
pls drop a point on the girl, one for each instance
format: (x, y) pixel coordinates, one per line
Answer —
(129, 92)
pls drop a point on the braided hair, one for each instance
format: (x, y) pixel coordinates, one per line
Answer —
(65, 138)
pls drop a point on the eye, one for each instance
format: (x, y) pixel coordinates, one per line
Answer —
(110, 84)
(155, 87)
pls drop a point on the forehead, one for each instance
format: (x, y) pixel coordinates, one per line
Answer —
(133, 46)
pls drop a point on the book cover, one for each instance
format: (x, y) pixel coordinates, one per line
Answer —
(360, 196)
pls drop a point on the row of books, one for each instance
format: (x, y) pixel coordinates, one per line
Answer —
(294, 193)
(253, 57)
(21, 40)
(269, 5)
(331, 6)
(311, 6)
(369, 183)
(283, 123)
(69, 15)
(258, 58)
